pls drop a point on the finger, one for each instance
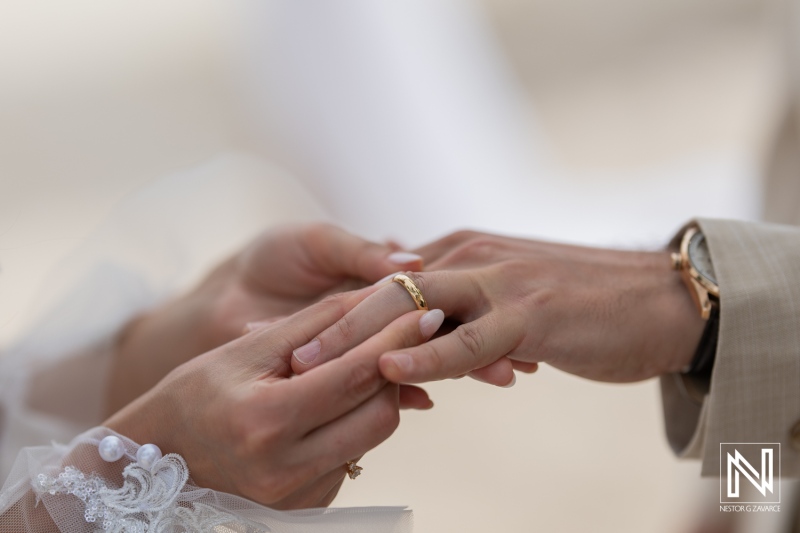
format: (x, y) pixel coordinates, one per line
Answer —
(341, 254)
(525, 366)
(331, 390)
(395, 246)
(355, 433)
(500, 373)
(435, 250)
(384, 306)
(471, 346)
(412, 397)
(269, 349)
(451, 291)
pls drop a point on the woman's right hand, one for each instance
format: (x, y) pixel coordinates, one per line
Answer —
(246, 425)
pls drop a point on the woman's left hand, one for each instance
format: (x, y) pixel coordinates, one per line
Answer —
(281, 272)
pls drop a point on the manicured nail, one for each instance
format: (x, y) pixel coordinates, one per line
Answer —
(403, 258)
(402, 361)
(430, 322)
(511, 383)
(308, 352)
(388, 278)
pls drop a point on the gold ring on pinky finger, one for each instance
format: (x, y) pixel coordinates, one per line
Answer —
(413, 290)
(353, 470)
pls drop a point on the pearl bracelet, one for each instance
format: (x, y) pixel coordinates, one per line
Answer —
(111, 449)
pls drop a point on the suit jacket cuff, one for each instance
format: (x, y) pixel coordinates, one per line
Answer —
(755, 385)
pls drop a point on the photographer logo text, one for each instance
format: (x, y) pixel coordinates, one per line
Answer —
(750, 477)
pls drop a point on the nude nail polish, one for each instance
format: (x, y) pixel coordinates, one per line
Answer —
(403, 258)
(308, 352)
(402, 361)
(430, 322)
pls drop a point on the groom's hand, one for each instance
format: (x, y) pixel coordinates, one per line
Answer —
(282, 271)
(606, 315)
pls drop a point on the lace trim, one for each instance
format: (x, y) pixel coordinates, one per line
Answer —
(147, 502)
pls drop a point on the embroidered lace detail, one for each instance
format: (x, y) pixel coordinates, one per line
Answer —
(147, 502)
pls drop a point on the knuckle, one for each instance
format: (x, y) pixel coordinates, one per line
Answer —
(542, 298)
(343, 329)
(462, 235)
(471, 338)
(430, 360)
(362, 380)
(481, 246)
(336, 302)
(317, 231)
(517, 265)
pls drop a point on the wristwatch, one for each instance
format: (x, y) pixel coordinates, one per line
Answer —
(694, 263)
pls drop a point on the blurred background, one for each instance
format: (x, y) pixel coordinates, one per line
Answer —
(602, 123)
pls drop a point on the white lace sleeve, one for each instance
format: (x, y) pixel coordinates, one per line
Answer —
(103, 481)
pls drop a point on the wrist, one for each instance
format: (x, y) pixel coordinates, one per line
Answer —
(669, 322)
(142, 421)
(155, 343)
(681, 318)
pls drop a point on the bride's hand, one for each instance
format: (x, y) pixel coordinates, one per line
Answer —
(247, 426)
(281, 272)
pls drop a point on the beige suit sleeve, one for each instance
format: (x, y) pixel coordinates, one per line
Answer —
(754, 392)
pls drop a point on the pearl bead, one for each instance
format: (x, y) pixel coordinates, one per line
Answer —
(111, 449)
(147, 456)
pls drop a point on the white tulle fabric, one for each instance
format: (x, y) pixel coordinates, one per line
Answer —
(71, 489)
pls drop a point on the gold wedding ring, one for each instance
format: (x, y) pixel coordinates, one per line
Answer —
(353, 470)
(413, 290)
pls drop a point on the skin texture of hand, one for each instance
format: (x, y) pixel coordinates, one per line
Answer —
(605, 315)
(246, 425)
(281, 272)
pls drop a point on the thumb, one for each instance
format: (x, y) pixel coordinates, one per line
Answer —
(339, 253)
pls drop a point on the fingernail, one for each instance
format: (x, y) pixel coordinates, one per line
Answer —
(402, 361)
(402, 258)
(308, 352)
(511, 384)
(428, 406)
(388, 278)
(430, 322)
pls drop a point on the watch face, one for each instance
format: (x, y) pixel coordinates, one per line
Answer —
(700, 258)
